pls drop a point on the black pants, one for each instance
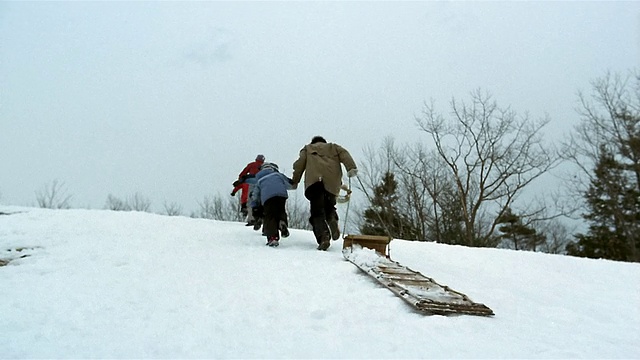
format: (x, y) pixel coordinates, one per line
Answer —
(323, 209)
(274, 212)
(243, 209)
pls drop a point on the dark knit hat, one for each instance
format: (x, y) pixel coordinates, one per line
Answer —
(260, 157)
(317, 139)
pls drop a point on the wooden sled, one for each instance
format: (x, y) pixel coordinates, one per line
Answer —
(424, 294)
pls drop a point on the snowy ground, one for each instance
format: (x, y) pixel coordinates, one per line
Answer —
(102, 284)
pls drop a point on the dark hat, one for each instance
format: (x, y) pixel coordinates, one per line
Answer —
(268, 165)
(260, 157)
(317, 139)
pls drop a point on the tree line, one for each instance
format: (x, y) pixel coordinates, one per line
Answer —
(469, 182)
(466, 184)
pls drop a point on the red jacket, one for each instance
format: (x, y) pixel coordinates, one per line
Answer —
(251, 169)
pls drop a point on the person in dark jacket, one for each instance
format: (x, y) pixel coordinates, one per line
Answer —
(321, 163)
(270, 191)
(244, 182)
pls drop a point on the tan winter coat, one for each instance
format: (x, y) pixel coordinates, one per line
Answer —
(321, 162)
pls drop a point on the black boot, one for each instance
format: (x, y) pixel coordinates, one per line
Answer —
(258, 224)
(284, 230)
(324, 244)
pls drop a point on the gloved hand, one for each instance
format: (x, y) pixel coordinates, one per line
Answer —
(233, 194)
(353, 172)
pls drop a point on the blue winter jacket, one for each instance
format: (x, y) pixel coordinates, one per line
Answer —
(269, 183)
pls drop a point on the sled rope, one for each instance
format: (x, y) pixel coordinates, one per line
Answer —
(346, 214)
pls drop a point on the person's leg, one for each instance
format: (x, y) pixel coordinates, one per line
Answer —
(258, 213)
(283, 222)
(331, 214)
(243, 210)
(250, 220)
(271, 220)
(244, 197)
(315, 195)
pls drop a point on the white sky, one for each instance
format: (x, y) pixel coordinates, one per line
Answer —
(172, 99)
(125, 285)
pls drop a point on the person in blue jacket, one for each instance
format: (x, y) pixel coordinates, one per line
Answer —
(270, 191)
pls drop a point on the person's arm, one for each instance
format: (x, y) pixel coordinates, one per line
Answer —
(299, 166)
(347, 160)
(288, 182)
(244, 171)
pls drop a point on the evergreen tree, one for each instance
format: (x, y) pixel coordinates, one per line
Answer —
(606, 147)
(513, 230)
(384, 217)
(614, 204)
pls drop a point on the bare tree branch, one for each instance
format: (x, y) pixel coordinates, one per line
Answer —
(492, 154)
(53, 196)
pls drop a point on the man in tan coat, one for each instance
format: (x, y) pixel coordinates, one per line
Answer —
(321, 164)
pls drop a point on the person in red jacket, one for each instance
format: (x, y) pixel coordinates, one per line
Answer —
(252, 168)
(244, 182)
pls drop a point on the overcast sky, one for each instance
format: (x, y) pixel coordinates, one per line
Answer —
(172, 99)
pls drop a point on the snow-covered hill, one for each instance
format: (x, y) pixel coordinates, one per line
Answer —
(102, 284)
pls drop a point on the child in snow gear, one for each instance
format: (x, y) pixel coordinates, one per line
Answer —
(270, 191)
(246, 179)
(321, 164)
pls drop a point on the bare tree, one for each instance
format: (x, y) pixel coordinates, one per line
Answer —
(609, 121)
(210, 208)
(116, 204)
(557, 236)
(491, 154)
(53, 196)
(139, 202)
(298, 212)
(431, 194)
(218, 208)
(426, 197)
(172, 209)
(135, 202)
(378, 161)
(228, 209)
